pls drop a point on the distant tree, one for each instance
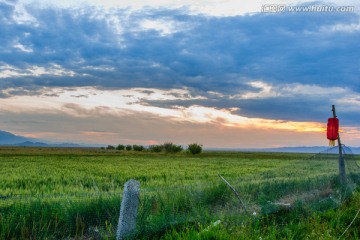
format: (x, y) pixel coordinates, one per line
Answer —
(177, 148)
(128, 147)
(169, 147)
(120, 147)
(110, 147)
(138, 148)
(195, 148)
(156, 148)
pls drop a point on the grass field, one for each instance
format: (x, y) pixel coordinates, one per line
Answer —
(54, 193)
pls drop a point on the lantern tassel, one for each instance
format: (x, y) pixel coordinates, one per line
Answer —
(332, 143)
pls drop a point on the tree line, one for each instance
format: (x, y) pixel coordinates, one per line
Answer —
(167, 147)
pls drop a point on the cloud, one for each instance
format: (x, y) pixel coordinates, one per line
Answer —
(92, 102)
(170, 48)
(54, 70)
(164, 27)
(147, 128)
(181, 61)
(349, 28)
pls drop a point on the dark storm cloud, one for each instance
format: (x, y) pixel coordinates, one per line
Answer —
(112, 49)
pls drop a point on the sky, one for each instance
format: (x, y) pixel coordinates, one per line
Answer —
(228, 74)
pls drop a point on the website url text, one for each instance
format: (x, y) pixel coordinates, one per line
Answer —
(281, 8)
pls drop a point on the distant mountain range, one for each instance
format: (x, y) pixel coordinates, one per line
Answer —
(355, 150)
(302, 149)
(9, 139)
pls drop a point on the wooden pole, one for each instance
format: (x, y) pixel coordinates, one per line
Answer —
(342, 174)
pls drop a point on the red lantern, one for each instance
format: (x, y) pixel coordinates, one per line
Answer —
(332, 130)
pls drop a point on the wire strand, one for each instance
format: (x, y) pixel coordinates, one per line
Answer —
(350, 224)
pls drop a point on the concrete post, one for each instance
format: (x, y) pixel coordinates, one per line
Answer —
(128, 209)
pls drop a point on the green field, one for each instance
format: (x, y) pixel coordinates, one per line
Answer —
(59, 193)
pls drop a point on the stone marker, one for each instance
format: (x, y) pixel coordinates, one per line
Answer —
(128, 209)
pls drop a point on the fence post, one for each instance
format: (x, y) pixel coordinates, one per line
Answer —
(342, 174)
(128, 209)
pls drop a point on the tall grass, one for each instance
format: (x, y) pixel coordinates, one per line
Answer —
(75, 193)
(58, 217)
